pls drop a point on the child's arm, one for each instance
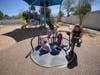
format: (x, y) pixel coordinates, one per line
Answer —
(72, 34)
(80, 36)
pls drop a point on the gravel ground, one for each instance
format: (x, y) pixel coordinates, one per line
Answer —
(13, 62)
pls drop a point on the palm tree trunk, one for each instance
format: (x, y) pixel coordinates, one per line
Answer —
(59, 13)
(68, 13)
(80, 19)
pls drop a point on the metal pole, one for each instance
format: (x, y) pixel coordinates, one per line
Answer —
(44, 15)
(29, 14)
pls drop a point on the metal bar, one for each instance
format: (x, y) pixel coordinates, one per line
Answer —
(45, 14)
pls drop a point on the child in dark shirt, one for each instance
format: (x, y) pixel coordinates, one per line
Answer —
(76, 36)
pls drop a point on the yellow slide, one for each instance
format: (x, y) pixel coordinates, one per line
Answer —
(22, 19)
(56, 25)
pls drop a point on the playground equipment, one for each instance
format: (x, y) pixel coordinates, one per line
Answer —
(23, 20)
(44, 4)
(42, 20)
(51, 26)
(54, 58)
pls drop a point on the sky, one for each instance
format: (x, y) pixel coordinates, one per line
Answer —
(13, 7)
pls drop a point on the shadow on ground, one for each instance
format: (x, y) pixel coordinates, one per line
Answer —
(22, 34)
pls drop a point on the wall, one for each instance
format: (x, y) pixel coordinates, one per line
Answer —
(10, 22)
(92, 20)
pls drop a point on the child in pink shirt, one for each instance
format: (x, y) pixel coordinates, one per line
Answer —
(59, 39)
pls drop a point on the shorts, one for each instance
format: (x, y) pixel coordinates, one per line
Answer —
(74, 40)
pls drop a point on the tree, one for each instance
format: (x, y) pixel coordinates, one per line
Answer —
(36, 15)
(6, 16)
(1, 15)
(68, 5)
(82, 9)
(60, 14)
(83, 2)
(33, 8)
(48, 12)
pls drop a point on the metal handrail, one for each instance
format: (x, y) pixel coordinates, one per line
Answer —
(63, 38)
(32, 43)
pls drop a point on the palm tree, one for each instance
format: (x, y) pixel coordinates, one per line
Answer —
(33, 8)
(82, 9)
(60, 14)
(83, 2)
(59, 18)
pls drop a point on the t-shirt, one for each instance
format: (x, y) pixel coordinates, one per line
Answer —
(59, 40)
(55, 34)
(76, 33)
(47, 47)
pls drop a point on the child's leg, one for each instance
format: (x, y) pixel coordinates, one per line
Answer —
(72, 46)
(37, 48)
(42, 52)
(52, 39)
(73, 41)
(49, 39)
(39, 43)
(79, 41)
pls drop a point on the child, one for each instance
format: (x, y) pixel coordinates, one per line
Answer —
(40, 40)
(76, 36)
(49, 32)
(56, 46)
(45, 48)
(55, 34)
(59, 39)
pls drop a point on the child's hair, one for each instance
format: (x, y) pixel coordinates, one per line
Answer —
(78, 26)
(60, 35)
(40, 38)
(45, 41)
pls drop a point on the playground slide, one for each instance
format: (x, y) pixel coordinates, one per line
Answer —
(22, 19)
(51, 26)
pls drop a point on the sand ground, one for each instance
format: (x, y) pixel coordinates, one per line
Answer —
(15, 44)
